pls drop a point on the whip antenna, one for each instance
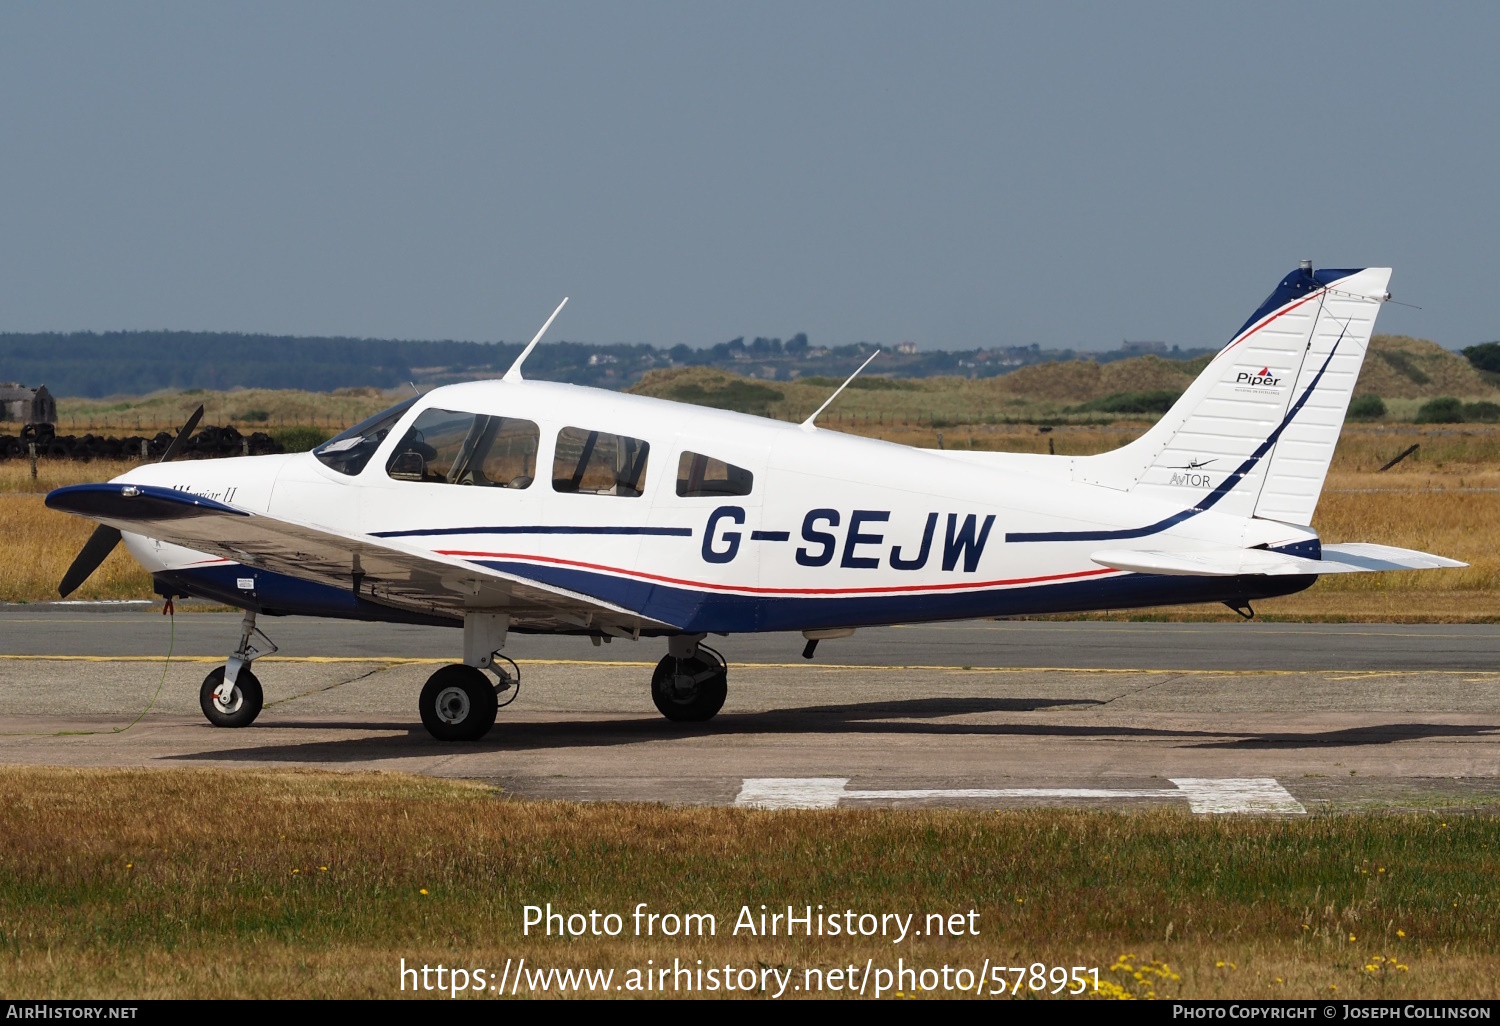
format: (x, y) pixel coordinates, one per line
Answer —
(514, 374)
(808, 423)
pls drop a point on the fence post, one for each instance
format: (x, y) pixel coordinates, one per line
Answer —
(31, 449)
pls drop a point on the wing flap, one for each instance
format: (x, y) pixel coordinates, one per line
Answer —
(383, 570)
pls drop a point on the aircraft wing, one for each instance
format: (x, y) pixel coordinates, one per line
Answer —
(1354, 557)
(382, 570)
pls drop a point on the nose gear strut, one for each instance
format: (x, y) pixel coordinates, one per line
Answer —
(244, 655)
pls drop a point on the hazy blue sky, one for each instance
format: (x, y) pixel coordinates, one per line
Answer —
(954, 174)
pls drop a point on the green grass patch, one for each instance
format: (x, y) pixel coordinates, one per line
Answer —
(1450, 410)
(1159, 401)
(734, 394)
(212, 883)
(873, 383)
(1403, 364)
(299, 438)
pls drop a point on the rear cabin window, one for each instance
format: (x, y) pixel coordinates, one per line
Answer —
(446, 447)
(700, 476)
(349, 451)
(599, 463)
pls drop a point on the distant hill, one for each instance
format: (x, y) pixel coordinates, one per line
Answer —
(1407, 371)
(1399, 367)
(141, 362)
(89, 365)
(1043, 390)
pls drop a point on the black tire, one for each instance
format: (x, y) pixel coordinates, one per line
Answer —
(244, 703)
(689, 690)
(458, 704)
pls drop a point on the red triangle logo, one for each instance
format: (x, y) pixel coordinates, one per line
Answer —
(1264, 371)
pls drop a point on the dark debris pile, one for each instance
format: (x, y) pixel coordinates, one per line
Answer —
(208, 443)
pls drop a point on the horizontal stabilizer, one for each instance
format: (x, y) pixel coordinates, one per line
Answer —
(1352, 558)
(1369, 556)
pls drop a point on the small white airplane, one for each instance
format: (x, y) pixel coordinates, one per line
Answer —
(537, 507)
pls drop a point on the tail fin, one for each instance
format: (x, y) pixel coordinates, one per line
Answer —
(1254, 434)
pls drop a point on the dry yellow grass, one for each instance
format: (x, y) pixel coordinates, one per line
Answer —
(301, 884)
(167, 410)
(16, 479)
(44, 544)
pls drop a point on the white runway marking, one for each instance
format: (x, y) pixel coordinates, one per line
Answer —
(1244, 795)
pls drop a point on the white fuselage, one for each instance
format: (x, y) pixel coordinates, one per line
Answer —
(830, 517)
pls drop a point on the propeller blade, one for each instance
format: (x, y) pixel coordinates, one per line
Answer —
(95, 551)
(104, 539)
(182, 437)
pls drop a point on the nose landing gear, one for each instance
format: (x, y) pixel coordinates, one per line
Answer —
(231, 695)
(242, 705)
(691, 682)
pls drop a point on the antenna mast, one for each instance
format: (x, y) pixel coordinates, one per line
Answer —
(514, 374)
(808, 424)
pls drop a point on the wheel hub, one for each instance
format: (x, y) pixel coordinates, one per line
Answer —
(452, 705)
(229, 708)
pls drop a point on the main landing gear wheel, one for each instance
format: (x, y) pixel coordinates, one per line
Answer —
(244, 701)
(690, 689)
(458, 703)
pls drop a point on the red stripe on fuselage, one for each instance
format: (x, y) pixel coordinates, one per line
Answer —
(893, 589)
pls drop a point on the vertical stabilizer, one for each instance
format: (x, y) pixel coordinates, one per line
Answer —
(1254, 434)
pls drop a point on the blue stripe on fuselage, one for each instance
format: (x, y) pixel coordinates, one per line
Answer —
(435, 532)
(694, 610)
(1209, 500)
(699, 611)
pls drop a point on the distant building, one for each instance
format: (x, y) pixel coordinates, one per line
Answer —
(27, 405)
(1142, 348)
(907, 348)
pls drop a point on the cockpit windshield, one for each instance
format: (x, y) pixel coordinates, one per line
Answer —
(349, 451)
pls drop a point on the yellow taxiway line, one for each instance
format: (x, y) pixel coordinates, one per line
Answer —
(425, 661)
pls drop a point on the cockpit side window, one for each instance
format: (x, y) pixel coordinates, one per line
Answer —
(349, 451)
(700, 476)
(446, 447)
(597, 463)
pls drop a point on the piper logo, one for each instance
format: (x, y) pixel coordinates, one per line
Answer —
(1263, 378)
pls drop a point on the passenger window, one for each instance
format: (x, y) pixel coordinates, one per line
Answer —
(700, 476)
(597, 463)
(444, 447)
